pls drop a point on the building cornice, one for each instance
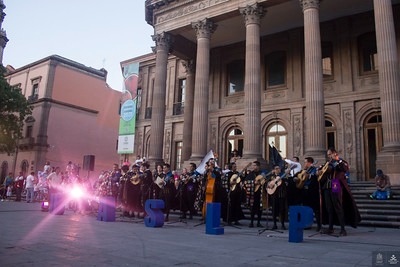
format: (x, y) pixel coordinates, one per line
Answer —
(56, 58)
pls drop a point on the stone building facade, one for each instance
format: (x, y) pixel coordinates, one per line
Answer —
(298, 75)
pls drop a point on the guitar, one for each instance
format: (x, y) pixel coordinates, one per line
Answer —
(277, 181)
(303, 176)
(235, 179)
(323, 171)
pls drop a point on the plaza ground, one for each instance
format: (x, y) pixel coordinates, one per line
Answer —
(30, 237)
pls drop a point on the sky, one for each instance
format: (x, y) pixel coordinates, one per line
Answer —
(95, 33)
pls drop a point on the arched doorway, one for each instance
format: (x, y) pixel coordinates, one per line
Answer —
(373, 140)
(24, 167)
(4, 170)
(277, 137)
(235, 140)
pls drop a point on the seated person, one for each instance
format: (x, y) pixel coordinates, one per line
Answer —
(382, 183)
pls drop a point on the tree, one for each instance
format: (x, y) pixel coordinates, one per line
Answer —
(14, 108)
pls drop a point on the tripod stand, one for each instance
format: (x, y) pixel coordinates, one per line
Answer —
(181, 217)
(266, 226)
(228, 223)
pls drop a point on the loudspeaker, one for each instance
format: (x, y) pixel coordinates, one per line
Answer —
(88, 162)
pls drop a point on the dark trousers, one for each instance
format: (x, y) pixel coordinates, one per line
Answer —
(333, 204)
(278, 208)
(18, 192)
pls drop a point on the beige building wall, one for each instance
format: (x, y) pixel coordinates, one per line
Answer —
(75, 113)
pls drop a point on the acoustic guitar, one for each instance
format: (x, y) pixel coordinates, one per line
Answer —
(323, 171)
(277, 181)
(303, 176)
(235, 179)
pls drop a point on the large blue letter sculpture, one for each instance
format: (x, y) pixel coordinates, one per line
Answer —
(300, 217)
(213, 215)
(155, 217)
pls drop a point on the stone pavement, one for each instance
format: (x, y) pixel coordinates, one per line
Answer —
(30, 237)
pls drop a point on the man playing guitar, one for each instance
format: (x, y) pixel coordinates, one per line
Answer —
(278, 197)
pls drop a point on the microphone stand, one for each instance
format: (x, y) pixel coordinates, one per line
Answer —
(266, 226)
(180, 192)
(228, 223)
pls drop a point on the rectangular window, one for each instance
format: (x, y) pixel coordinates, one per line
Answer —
(180, 97)
(327, 62)
(368, 53)
(276, 68)
(29, 130)
(235, 71)
(178, 153)
(35, 89)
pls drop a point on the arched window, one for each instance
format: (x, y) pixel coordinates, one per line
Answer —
(235, 142)
(373, 142)
(277, 137)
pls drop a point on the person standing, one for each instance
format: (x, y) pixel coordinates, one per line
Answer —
(30, 184)
(277, 187)
(253, 186)
(336, 193)
(8, 181)
(382, 182)
(54, 180)
(19, 185)
(309, 190)
(115, 177)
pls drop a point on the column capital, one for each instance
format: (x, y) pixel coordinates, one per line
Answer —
(306, 4)
(189, 66)
(252, 13)
(163, 40)
(204, 28)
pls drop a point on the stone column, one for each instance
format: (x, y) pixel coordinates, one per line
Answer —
(188, 110)
(204, 29)
(163, 44)
(314, 91)
(252, 84)
(389, 89)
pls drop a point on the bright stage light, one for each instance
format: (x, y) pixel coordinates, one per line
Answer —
(76, 192)
(45, 206)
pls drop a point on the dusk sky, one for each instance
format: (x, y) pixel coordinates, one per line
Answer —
(96, 33)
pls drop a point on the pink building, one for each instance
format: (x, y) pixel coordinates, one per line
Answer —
(75, 113)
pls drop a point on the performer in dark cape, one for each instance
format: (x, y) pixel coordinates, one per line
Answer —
(134, 193)
(188, 189)
(338, 205)
(234, 196)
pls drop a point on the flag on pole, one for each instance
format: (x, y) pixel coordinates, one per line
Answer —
(202, 166)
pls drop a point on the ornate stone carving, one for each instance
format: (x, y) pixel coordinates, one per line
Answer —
(204, 28)
(348, 134)
(189, 65)
(306, 4)
(252, 13)
(163, 41)
(297, 135)
(189, 9)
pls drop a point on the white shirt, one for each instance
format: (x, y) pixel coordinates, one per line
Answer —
(30, 181)
(54, 180)
(295, 167)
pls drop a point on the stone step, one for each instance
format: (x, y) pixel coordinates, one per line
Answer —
(379, 211)
(376, 217)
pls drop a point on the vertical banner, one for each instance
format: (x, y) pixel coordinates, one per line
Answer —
(127, 120)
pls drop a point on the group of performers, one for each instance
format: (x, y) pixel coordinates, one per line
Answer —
(323, 188)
